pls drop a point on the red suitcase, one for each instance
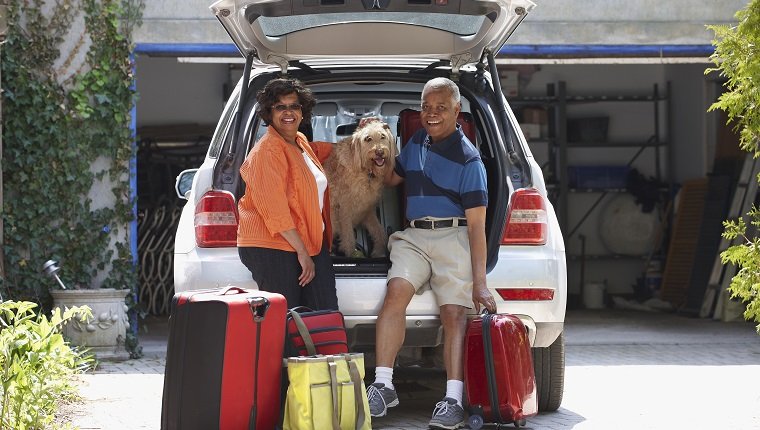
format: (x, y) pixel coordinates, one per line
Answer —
(224, 360)
(498, 370)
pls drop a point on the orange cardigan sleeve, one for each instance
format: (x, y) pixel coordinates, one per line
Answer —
(322, 150)
(268, 171)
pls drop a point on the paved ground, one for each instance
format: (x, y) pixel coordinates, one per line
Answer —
(625, 370)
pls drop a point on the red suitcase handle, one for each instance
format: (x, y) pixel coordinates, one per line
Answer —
(227, 290)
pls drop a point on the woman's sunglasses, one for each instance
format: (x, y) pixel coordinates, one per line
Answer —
(283, 108)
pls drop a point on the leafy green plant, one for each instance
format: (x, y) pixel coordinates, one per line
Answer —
(67, 137)
(36, 365)
(746, 283)
(737, 58)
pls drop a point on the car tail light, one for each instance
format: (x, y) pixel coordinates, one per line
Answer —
(216, 220)
(526, 293)
(526, 219)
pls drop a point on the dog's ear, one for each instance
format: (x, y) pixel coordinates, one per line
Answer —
(392, 142)
(356, 149)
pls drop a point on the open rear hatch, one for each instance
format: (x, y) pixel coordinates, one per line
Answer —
(280, 31)
(285, 33)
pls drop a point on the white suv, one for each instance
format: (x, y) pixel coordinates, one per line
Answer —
(371, 58)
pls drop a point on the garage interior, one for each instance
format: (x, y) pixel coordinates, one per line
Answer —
(640, 174)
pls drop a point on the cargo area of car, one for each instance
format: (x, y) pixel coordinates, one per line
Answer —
(334, 118)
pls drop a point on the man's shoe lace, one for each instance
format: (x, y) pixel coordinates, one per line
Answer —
(447, 415)
(380, 398)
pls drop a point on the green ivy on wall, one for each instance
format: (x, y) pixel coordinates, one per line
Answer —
(64, 137)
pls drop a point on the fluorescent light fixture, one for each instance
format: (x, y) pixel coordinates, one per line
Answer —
(627, 60)
(212, 60)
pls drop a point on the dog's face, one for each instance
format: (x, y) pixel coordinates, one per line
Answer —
(374, 147)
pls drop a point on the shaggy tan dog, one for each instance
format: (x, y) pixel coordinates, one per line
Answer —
(355, 171)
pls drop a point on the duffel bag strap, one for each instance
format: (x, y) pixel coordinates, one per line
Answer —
(304, 332)
(356, 378)
(333, 366)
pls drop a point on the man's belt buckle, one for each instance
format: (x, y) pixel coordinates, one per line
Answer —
(430, 224)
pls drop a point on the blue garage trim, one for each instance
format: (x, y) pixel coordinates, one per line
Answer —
(521, 51)
(133, 198)
(605, 51)
(188, 49)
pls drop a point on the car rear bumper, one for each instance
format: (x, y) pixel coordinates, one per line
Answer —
(361, 296)
(426, 331)
(210, 268)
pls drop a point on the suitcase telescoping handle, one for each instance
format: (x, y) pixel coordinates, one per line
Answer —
(259, 307)
(493, 397)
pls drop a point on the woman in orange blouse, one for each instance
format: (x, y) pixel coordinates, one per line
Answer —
(285, 211)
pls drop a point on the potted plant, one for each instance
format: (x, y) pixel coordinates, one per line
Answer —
(104, 332)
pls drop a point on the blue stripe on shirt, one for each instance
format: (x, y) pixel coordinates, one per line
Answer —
(454, 176)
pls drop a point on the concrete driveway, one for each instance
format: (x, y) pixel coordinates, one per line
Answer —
(625, 370)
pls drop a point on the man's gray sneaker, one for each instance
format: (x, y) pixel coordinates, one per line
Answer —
(380, 399)
(447, 415)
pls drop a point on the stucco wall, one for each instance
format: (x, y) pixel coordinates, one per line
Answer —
(180, 21)
(551, 22)
(624, 22)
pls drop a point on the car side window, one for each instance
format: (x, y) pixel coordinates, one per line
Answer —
(222, 130)
(260, 130)
(254, 134)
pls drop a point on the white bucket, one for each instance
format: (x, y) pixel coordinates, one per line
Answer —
(593, 295)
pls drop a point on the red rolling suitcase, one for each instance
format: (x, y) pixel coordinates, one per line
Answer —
(498, 370)
(224, 360)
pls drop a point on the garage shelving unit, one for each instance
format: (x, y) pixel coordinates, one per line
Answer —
(556, 102)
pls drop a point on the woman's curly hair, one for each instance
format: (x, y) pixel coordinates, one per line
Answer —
(276, 88)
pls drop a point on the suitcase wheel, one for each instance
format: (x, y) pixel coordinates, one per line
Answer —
(475, 422)
(520, 423)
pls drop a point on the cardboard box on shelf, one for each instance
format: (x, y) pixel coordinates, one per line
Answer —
(531, 131)
(509, 84)
(537, 115)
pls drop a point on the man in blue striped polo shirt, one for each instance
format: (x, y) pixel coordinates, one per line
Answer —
(444, 246)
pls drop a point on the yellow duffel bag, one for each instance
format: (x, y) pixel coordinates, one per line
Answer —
(327, 392)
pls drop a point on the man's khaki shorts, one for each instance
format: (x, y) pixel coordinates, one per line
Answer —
(440, 258)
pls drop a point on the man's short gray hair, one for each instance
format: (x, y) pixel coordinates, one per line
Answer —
(436, 84)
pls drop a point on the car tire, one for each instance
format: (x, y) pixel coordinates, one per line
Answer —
(549, 365)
